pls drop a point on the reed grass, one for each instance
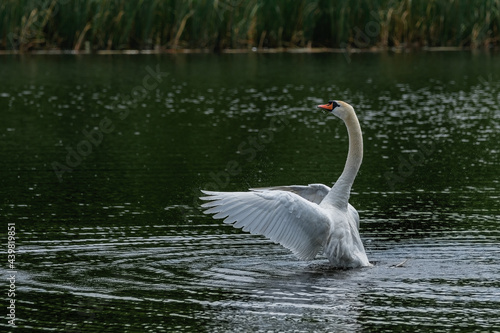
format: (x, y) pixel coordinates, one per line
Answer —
(226, 24)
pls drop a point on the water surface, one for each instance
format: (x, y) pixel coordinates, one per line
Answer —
(103, 157)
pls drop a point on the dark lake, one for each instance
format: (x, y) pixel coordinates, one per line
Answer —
(103, 157)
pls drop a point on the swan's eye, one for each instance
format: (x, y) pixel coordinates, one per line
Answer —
(333, 104)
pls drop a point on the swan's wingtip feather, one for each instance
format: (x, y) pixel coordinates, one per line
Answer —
(209, 204)
(207, 192)
(211, 195)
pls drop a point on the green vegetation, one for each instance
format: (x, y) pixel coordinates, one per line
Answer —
(233, 24)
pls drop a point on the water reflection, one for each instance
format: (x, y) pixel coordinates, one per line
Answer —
(233, 279)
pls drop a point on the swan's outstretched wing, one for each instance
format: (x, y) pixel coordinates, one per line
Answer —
(312, 192)
(281, 216)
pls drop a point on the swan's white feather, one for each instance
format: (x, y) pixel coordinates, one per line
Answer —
(312, 192)
(282, 216)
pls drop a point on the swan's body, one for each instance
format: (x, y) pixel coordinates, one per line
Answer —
(304, 219)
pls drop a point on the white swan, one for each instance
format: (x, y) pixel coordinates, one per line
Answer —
(304, 219)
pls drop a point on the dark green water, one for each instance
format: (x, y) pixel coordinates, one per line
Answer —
(102, 159)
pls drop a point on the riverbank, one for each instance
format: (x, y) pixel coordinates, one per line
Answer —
(237, 51)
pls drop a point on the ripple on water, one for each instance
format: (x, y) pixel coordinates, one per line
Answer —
(234, 279)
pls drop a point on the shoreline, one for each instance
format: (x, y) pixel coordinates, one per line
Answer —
(305, 50)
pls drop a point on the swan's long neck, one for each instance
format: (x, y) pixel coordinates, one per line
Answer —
(339, 194)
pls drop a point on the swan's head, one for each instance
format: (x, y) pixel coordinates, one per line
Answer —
(338, 108)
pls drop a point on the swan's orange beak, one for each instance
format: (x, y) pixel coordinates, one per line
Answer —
(327, 107)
